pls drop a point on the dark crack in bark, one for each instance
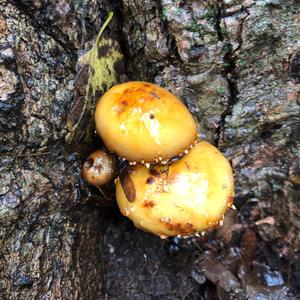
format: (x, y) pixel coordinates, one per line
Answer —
(229, 72)
(230, 75)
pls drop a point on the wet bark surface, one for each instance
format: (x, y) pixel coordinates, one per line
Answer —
(236, 66)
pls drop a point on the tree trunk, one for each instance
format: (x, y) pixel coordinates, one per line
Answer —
(236, 66)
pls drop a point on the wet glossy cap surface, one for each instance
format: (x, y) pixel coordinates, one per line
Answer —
(99, 168)
(143, 122)
(190, 195)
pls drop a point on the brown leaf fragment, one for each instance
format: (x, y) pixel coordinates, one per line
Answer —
(268, 220)
(268, 229)
(96, 73)
(127, 184)
(231, 259)
(216, 272)
(82, 108)
(82, 79)
(225, 231)
(155, 173)
(248, 246)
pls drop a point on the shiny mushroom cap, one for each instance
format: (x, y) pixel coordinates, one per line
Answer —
(143, 122)
(188, 196)
(99, 168)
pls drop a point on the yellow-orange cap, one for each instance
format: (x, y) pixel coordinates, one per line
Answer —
(188, 196)
(143, 122)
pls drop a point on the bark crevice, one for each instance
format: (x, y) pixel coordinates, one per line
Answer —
(229, 70)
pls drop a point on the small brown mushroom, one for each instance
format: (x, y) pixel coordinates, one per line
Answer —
(99, 168)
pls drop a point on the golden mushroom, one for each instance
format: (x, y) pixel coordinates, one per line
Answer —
(99, 168)
(143, 122)
(187, 196)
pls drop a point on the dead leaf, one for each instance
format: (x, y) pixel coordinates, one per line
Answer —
(98, 71)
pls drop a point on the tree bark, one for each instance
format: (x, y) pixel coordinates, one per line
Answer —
(236, 66)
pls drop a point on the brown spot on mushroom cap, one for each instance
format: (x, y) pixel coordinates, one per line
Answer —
(150, 180)
(187, 199)
(188, 225)
(154, 173)
(154, 95)
(170, 226)
(177, 226)
(165, 126)
(89, 163)
(230, 200)
(148, 203)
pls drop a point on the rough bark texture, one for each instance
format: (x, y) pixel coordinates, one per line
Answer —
(236, 66)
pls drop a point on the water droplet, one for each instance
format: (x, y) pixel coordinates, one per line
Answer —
(111, 249)
(126, 212)
(165, 188)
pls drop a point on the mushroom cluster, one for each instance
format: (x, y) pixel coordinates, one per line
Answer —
(173, 184)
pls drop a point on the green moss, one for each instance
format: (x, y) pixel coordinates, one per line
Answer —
(242, 62)
(164, 14)
(224, 32)
(221, 90)
(210, 15)
(226, 48)
(194, 26)
(226, 65)
(178, 11)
